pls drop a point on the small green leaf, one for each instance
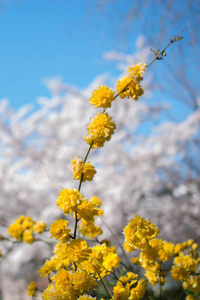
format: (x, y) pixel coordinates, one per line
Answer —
(153, 51)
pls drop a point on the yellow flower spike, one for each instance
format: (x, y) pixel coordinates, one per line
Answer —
(100, 130)
(102, 97)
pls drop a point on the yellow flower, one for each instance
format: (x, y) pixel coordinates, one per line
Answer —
(135, 260)
(15, 230)
(28, 237)
(121, 292)
(27, 223)
(31, 289)
(78, 167)
(137, 71)
(139, 231)
(184, 266)
(68, 200)
(96, 200)
(89, 229)
(155, 274)
(62, 287)
(39, 226)
(59, 230)
(102, 97)
(48, 267)
(87, 210)
(82, 280)
(78, 251)
(127, 87)
(111, 260)
(52, 293)
(100, 130)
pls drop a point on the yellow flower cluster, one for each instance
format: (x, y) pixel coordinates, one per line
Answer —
(100, 130)
(78, 168)
(70, 200)
(129, 86)
(139, 232)
(76, 267)
(186, 268)
(102, 97)
(24, 229)
(129, 288)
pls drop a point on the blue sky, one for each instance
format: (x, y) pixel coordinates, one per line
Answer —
(41, 39)
(48, 38)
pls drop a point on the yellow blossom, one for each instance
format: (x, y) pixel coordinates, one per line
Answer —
(135, 260)
(49, 267)
(78, 251)
(23, 229)
(28, 237)
(139, 231)
(184, 266)
(138, 291)
(78, 168)
(195, 246)
(89, 229)
(87, 210)
(96, 200)
(27, 223)
(59, 230)
(15, 230)
(31, 289)
(127, 87)
(102, 97)
(61, 288)
(39, 226)
(137, 71)
(68, 200)
(82, 280)
(155, 274)
(100, 130)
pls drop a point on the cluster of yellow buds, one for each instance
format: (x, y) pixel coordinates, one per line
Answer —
(24, 229)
